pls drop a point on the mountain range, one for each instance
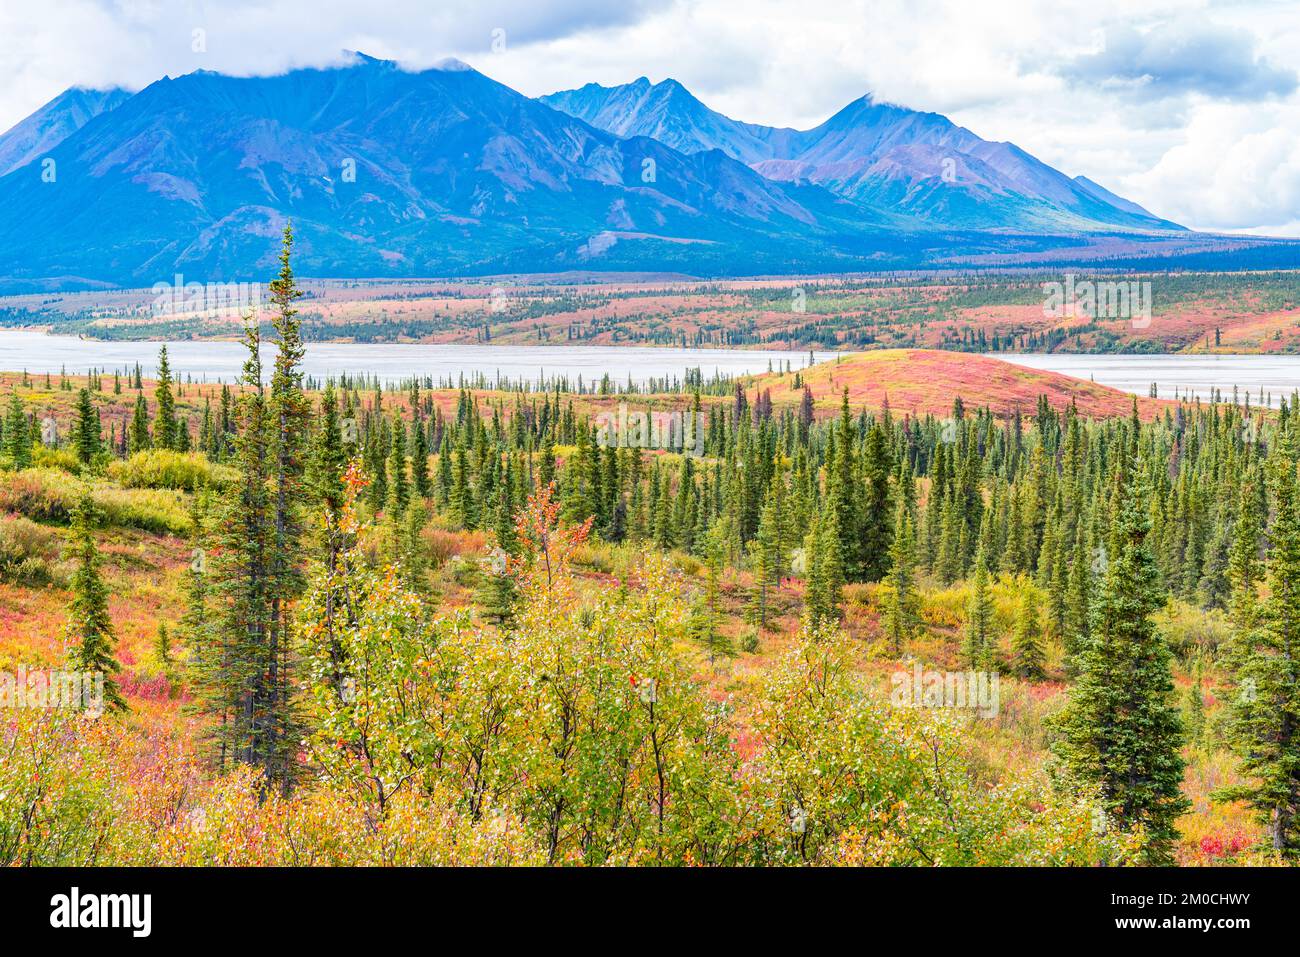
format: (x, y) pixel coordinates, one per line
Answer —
(389, 172)
(918, 164)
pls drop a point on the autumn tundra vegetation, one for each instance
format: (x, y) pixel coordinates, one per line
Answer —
(343, 623)
(970, 312)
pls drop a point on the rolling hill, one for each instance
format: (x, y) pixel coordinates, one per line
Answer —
(925, 382)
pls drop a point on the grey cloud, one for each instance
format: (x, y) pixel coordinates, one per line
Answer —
(131, 43)
(533, 23)
(1178, 58)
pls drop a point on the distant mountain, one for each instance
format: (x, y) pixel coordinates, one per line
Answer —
(671, 114)
(443, 172)
(917, 164)
(53, 123)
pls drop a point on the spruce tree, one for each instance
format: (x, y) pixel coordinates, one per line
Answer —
(1120, 733)
(260, 547)
(768, 551)
(290, 420)
(707, 614)
(978, 643)
(89, 630)
(1077, 602)
(948, 557)
(235, 692)
(1027, 639)
(420, 460)
(1243, 564)
(162, 650)
(412, 553)
(445, 481)
(546, 467)
(877, 518)
(844, 496)
(901, 614)
(462, 494)
(87, 438)
(664, 533)
(165, 425)
(1264, 723)
(500, 592)
(196, 621)
(378, 441)
(825, 569)
(326, 468)
(396, 473)
(1194, 711)
(327, 472)
(17, 437)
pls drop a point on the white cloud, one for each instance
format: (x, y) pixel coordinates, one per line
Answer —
(1186, 56)
(1233, 170)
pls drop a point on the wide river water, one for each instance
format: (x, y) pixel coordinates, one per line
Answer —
(1187, 375)
(222, 361)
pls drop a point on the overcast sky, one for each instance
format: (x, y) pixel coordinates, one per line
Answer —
(1190, 108)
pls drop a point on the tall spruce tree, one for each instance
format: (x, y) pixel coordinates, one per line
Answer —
(138, 433)
(290, 421)
(978, 640)
(165, 426)
(877, 517)
(901, 607)
(89, 631)
(1264, 724)
(768, 551)
(87, 436)
(260, 545)
(17, 436)
(420, 460)
(1120, 732)
(236, 694)
(1027, 639)
(825, 575)
(844, 495)
(196, 620)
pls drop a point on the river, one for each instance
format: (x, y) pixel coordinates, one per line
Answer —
(222, 361)
(1186, 375)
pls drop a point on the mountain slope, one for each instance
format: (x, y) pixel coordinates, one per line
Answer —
(669, 113)
(53, 123)
(386, 172)
(919, 164)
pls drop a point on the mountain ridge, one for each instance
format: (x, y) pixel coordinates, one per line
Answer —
(876, 152)
(54, 122)
(365, 156)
